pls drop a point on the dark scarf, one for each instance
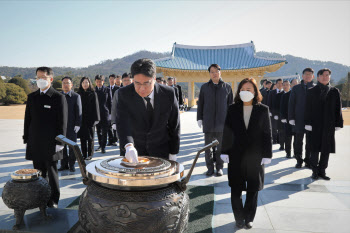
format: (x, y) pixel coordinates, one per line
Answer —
(324, 90)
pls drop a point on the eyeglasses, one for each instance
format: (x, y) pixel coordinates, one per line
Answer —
(145, 84)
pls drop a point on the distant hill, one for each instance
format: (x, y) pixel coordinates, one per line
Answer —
(121, 65)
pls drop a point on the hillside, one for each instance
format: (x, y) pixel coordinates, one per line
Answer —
(121, 65)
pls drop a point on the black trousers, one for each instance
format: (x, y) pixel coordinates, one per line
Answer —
(298, 147)
(112, 135)
(246, 212)
(319, 163)
(102, 131)
(49, 172)
(208, 138)
(274, 130)
(68, 159)
(288, 142)
(281, 136)
(87, 147)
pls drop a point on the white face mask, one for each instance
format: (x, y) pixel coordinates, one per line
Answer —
(246, 96)
(42, 83)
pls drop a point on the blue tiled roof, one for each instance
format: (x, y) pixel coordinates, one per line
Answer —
(229, 57)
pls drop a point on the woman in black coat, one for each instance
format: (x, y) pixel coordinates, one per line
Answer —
(90, 117)
(247, 147)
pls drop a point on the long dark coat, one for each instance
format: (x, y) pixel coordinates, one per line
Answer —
(247, 147)
(277, 106)
(74, 114)
(265, 93)
(296, 106)
(181, 97)
(159, 139)
(45, 118)
(105, 104)
(323, 116)
(90, 114)
(284, 112)
(212, 105)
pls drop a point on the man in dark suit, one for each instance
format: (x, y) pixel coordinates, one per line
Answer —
(45, 117)
(283, 113)
(181, 98)
(323, 116)
(279, 124)
(296, 110)
(271, 100)
(265, 92)
(171, 84)
(148, 119)
(112, 88)
(74, 122)
(105, 101)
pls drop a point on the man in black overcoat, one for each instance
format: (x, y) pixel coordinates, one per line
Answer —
(74, 122)
(105, 102)
(271, 102)
(323, 116)
(45, 117)
(287, 128)
(148, 118)
(265, 92)
(280, 128)
(172, 84)
(112, 88)
(181, 98)
(214, 99)
(296, 110)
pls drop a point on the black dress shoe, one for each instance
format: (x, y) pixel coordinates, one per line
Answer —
(98, 148)
(288, 156)
(63, 168)
(89, 158)
(240, 224)
(249, 225)
(298, 165)
(209, 173)
(323, 176)
(314, 176)
(307, 165)
(219, 172)
(72, 169)
(103, 150)
(281, 148)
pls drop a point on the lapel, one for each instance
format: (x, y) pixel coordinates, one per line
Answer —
(156, 104)
(139, 104)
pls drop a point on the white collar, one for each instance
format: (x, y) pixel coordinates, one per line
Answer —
(151, 95)
(44, 91)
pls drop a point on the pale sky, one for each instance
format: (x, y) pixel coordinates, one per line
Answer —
(83, 33)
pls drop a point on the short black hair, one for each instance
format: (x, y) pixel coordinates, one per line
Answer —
(118, 76)
(45, 69)
(321, 71)
(67, 77)
(308, 70)
(170, 78)
(125, 75)
(263, 80)
(160, 78)
(100, 77)
(277, 80)
(143, 66)
(112, 75)
(286, 81)
(268, 82)
(214, 65)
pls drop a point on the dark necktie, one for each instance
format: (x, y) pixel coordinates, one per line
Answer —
(149, 112)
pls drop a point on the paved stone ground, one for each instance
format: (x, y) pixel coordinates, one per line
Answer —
(291, 202)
